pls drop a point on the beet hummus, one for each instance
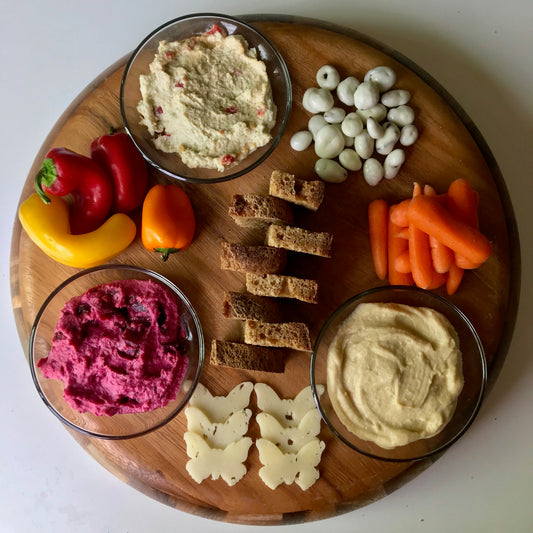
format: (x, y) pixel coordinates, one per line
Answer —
(116, 348)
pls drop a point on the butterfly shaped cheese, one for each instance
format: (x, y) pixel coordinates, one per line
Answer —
(227, 463)
(288, 468)
(220, 408)
(218, 434)
(290, 439)
(288, 412)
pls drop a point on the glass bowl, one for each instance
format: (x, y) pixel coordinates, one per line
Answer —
(474, 373)
(179, 29)
(117, 426)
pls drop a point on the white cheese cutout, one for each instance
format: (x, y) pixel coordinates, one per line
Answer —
(290, 439)
(218, 434)
(289, 413)
(220, 408)
(288, 468)
(226, 463)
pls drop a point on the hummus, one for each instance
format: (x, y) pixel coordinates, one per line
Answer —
(394, 373)
(116, 348)
(207, 98)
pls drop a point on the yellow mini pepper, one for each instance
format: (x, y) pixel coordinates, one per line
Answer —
(168, 221)
(47, 225)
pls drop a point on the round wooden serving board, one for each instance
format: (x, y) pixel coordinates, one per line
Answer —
(448, 148)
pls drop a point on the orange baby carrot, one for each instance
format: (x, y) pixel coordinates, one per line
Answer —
(402, 263)
(463, 203)
(378, 216)
(441, 256)
(427, 214)
(420, 257)
(398, 213)
(454, 278)
(396, 247)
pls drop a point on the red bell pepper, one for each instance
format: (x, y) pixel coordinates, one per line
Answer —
(127, 168)
(65, 172)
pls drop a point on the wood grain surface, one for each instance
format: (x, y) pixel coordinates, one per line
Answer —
(446, 149)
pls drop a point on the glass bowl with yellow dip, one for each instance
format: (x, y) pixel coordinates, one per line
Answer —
(405, 373)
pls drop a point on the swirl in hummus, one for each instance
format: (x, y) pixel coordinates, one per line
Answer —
(394, 373)
(207, 98)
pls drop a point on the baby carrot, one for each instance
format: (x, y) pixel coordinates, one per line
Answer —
(454, 278)
(402, 263)
(463, 203)
(396, 247)
(427, 214)
(420, 257)
(398, 213)
(441, 256)
(378, 215)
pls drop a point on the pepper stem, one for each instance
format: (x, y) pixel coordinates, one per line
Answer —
(165, 252)
(46, 176)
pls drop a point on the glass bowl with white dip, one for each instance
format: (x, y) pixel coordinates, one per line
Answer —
(405, 373)
(128, 351)
(206, 98)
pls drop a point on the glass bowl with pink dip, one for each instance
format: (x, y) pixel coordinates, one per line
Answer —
(116, 351)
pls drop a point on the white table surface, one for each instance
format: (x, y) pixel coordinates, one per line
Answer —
(479, 50)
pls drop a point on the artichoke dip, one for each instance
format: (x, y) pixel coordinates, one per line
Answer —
(207, 98)
(394, 373)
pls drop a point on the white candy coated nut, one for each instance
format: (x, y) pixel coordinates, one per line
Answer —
(374, 128)
(352, 125)
(350, 160)
(383, 77)
(348, 141)
(379, 112)
(315, 123)
(393, 163)
(395, 97)
(408, 135)
(327, 77)
(364, 145)
(301, 140)
(366, 95)
(346, 90)
(373, 171)
(335, 115)
(330, 171)
(385, 144)
(402, 115)
(329, 142)
(317, 100)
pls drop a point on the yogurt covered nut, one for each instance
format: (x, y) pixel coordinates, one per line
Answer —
(328, 77)
(379, 112)
(373, 171)
(329, 142)
(330, 171)
(402, 115)
(393, 163)
(408, 135)
(366, 95)
(317, 100)
(383, 77)
(352, 125)
(301, 140)
(395, 98)
(385, 144)
(335, 115)
(374, 128)
(350, 160)
(316, 122)
(364, 145)
(346, 90)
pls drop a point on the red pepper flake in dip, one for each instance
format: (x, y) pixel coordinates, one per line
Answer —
(226, 85)
(117, 349)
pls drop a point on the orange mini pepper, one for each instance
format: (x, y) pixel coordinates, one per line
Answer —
(168, 221)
